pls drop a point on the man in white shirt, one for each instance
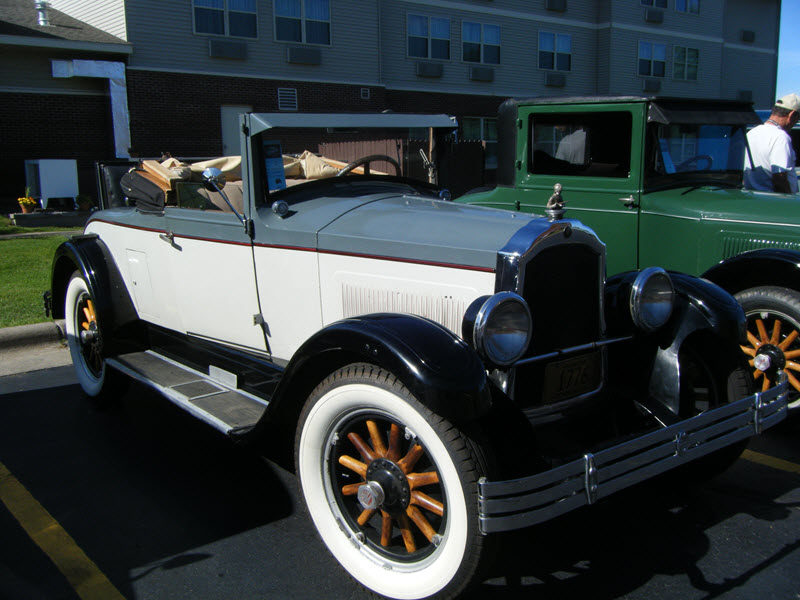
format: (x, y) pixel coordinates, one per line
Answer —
(770, 159)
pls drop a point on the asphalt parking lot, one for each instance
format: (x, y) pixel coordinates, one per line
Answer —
(143, 501)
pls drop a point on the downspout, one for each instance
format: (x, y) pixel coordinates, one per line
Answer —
(117, 88)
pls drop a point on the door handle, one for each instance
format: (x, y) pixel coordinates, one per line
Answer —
(629, 202)
(168, 237)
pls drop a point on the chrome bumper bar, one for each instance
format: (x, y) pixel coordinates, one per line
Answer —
(518, 503)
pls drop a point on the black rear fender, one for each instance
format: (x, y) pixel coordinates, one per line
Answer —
(88, 255)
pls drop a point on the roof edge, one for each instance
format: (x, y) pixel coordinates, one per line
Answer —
(36, 42)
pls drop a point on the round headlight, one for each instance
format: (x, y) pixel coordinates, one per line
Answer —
(651, 298)
(502, 328)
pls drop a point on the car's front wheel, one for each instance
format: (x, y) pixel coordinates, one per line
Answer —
(773, 329)
(391, 486)
(85, 341)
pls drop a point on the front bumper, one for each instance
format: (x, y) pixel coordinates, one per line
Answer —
(518, 503)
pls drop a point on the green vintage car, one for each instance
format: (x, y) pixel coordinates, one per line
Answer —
(660, 181)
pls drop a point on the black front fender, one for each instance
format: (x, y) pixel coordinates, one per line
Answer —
(757, 268)
(439, 368)
(90, 256)
(699, 306)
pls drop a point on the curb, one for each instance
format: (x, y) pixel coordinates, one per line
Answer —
(27, 336)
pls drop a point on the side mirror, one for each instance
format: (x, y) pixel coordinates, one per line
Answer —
(213, 179)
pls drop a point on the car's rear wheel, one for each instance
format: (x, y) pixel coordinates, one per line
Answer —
(773, 328)
(391, 486)
(85, 340)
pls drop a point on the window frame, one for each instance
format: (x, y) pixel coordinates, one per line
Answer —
(685, 63)
(687, 10)
(304, 20)
(226, 12)
(554, 52)
(429, 38)
(482, 44)
(651, 60)
(490, 161)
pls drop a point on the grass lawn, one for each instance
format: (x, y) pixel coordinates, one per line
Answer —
(24, 275)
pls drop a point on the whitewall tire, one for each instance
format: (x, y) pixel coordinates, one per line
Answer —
(390, 486)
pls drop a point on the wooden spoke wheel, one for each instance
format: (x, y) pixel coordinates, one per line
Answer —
(773, 330)
(85, 342)
(391, 486)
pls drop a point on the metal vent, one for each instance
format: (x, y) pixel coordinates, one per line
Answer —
(304, 56)
(227, 49)
(651, 85)
(652, 15)
(365, 93)
(426, 69)
(287, 99)
(445, 310)
(555, 80)
(734, 243)
(481, 74)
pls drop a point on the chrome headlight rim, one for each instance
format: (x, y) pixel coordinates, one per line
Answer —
(641, 309)
(481, 329)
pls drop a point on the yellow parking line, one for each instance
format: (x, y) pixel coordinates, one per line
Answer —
(84, 576)
(771, 461)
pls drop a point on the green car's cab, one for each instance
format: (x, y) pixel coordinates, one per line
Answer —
(660, 182)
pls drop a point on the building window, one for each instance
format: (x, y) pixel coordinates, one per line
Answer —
(428, 37)
(303, 21)
(652, 59)
(481, 43)
(655, 3)
(685, 62)
(483, 129)
(236, 18)
(555, 51)
(688, 6)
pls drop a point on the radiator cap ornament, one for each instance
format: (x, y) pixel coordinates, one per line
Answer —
(555, 205)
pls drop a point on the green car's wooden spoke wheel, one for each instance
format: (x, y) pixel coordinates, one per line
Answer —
(773, 331)
(771, 334)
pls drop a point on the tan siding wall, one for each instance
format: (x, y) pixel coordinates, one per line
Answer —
(106, 15)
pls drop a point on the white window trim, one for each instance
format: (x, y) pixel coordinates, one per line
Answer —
(555, 52)
(687, 11)
(482, 45)
(430, 37)
(639, 57)
(685, 64)
(225, 11)
(302, 27)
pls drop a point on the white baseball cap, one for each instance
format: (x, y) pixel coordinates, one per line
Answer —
(789, 101)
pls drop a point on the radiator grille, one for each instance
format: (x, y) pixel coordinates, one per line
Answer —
(563, 288)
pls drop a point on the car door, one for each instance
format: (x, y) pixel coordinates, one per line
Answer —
(211, 261)
(595, 152)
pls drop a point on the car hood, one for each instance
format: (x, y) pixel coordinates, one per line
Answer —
(426, 230)
(724, 204)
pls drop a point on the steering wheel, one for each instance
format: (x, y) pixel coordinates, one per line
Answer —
(696, 159)
(366, 160)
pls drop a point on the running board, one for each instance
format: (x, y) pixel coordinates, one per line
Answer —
(221, 405)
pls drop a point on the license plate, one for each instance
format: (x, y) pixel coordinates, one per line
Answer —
(572, 377)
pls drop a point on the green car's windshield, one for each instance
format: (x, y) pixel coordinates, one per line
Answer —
(680, 154)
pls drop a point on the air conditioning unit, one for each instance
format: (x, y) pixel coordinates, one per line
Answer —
(52, 178)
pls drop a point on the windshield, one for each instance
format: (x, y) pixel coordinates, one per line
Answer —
(678, 154)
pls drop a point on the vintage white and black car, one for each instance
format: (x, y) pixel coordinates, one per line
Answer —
(437, 373)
